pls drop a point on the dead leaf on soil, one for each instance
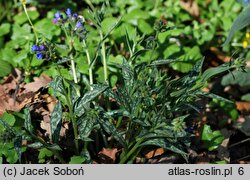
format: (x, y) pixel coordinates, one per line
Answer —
(42, 81)
(15, 94)
(243, 106)
(108, 155)
(191, 7)
(156, 152)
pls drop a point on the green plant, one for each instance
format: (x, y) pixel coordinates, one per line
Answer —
(113, 97)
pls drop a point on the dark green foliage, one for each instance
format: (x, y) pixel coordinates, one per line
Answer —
(56, 122)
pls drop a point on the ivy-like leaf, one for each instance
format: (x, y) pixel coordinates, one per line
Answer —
(56, 122)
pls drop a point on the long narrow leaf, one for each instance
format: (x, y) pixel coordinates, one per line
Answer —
(79, 106)
(56, 122)
(239, 23)
(110, 129)
(27, 122)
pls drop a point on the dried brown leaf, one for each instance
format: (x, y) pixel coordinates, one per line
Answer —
(156, 152)
(108, 155)
(191, 7)
(37, 84)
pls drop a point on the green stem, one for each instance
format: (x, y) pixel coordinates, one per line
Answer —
(153, 50)
(89, 64)
(73, 67)
(104, 58)
(27, 15)
(135, 147)
(71, 112)
(73, 70)
(119, 122)
(73, 119)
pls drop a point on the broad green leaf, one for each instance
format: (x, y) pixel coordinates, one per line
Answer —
(4, 29)
(239, 23)
(5, 68)
(246, 97)
(136, 14)
(212, 139)
(56, 122)
(43, 153)
(107, 23)
(145, 27)
(8, 54)
(80, 104)
(21, 35)
(7, 149)
(9, 118)
(76, 160)
(20, 56)
(22, 18)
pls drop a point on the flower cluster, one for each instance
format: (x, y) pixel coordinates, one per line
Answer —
(72, 22)
(245, 43)
(40, 51)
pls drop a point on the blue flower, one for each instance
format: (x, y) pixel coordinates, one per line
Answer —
(42, 48)
(40, 55)
(78, 25)
(58, 15)
(35, 48)
(68, 12)
(246, 1)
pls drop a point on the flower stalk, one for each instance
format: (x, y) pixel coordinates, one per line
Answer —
(27, 15)
(103, 51)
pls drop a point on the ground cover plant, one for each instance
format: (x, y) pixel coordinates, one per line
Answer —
(124, 82)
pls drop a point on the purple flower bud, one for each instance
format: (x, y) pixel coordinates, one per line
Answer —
(54, 21)
(34, 48)
(40, 55)
(75, 15)
(78, 25)
(42, 47)
(68, 12)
